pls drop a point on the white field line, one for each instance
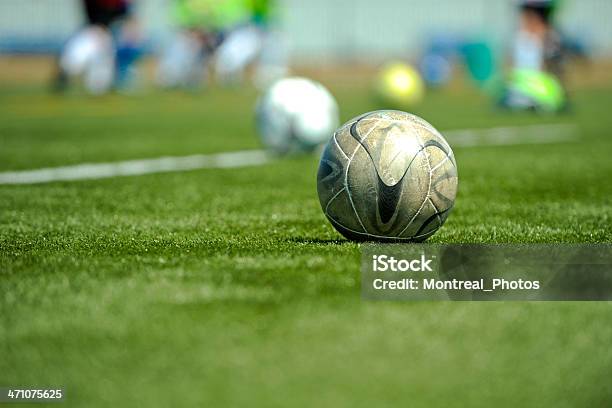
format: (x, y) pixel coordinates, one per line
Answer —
(500, 136)
(136, 167)
(516, 135)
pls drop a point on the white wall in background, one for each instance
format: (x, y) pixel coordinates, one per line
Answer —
(332, 29)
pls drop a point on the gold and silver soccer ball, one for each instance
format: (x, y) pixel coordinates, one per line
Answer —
(387, 176)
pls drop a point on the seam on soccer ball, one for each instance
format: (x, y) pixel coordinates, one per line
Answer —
(437, 212)
(423, 150)
(421, 123)
(382, 236)
(348, 190)
(436, 133)
(338, 144)
(441, 163)
(332, 199)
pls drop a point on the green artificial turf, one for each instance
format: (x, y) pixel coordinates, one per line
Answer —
(229, 288)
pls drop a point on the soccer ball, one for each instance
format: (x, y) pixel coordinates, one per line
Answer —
(400, 86)
(387, 176)
(296, 115)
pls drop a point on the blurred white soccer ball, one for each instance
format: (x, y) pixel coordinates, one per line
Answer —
(296, 115)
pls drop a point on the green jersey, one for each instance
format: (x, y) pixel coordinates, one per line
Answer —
(210, 14)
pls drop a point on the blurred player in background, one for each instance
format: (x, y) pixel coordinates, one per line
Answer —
(255, 40)
(538, 60)
(538, 44)
(91, 54)
(201, 26)
(232, 33)
(273, 57)
(129, 46)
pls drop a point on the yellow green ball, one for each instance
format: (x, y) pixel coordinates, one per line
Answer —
(398, 85)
